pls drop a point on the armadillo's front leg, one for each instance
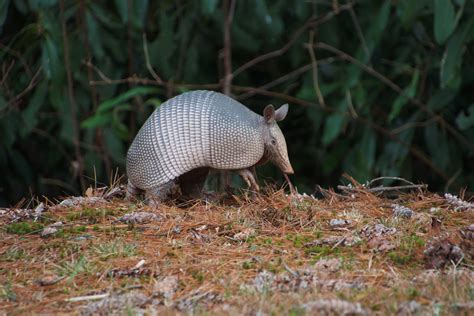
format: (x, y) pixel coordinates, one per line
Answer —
(248, 177)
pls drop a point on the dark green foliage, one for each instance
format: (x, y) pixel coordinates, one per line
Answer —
(396, 79)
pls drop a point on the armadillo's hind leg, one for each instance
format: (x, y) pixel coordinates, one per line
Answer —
(248, 177)
(132, 191)
(167, 191)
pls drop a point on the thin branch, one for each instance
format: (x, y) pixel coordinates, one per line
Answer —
(359, 33)
(145, 81)
(227, 52)
(350, 104)
(17, 55)
(72, 101)
(97, 70)
(288, 76)
(397, 89)
(6, 72)
(33, 82)
(314, 64)
(410, 125)
(147, 61)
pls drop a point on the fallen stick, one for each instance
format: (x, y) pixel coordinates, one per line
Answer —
(382, 188)
(87, 298)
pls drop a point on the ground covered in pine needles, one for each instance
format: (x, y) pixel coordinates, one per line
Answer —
(355, 254)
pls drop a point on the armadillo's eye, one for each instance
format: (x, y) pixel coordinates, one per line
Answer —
(274, 142)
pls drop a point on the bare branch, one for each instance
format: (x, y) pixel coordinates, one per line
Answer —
(314, 64)
(28, 88)
(227, 52)
(288, 76)
(360, 34)
(147, 61)
(17, 55)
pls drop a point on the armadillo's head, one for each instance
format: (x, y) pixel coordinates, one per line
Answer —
(275, 144)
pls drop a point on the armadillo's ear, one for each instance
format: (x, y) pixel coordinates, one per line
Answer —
(269, 113)
(280, 114)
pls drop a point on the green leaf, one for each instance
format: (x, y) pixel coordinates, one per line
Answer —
(21, 165)
(122, 8)
(401, 100)
(30, 114)
(153, 102)
(332, 128)
(440, 99)
(109, 104)
(208, 6)
(450, 71)
(97, 121)
(377, 28)
(114, 146)
(466, 120)
(35, 5)
(445, 19)
(438, 145)
(367, 147)
(120, 129)
(3, 12)
(3, 104)
(140, 9)
(163, 48)
(409, 9)
(373, 37)
(94, 32)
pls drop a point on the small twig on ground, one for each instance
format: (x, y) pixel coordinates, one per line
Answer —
(87, 298)
(388, 178)
(381, 188)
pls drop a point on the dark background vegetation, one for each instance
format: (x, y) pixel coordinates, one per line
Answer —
(376, 88)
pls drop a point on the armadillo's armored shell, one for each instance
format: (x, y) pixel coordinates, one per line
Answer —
(195, 129)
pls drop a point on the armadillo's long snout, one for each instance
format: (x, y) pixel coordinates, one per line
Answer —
(286, 167)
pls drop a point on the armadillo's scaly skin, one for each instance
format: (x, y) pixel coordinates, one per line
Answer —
(193, 130)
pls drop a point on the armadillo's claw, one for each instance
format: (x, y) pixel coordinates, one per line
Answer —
(248, 177)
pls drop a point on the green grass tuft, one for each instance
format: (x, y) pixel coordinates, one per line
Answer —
(24, 228)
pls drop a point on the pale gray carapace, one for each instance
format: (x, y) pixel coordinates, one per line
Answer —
(201, 130)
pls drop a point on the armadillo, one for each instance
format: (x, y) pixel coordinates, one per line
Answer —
(201, 130)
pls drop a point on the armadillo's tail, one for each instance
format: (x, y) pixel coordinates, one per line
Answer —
(132, 191)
